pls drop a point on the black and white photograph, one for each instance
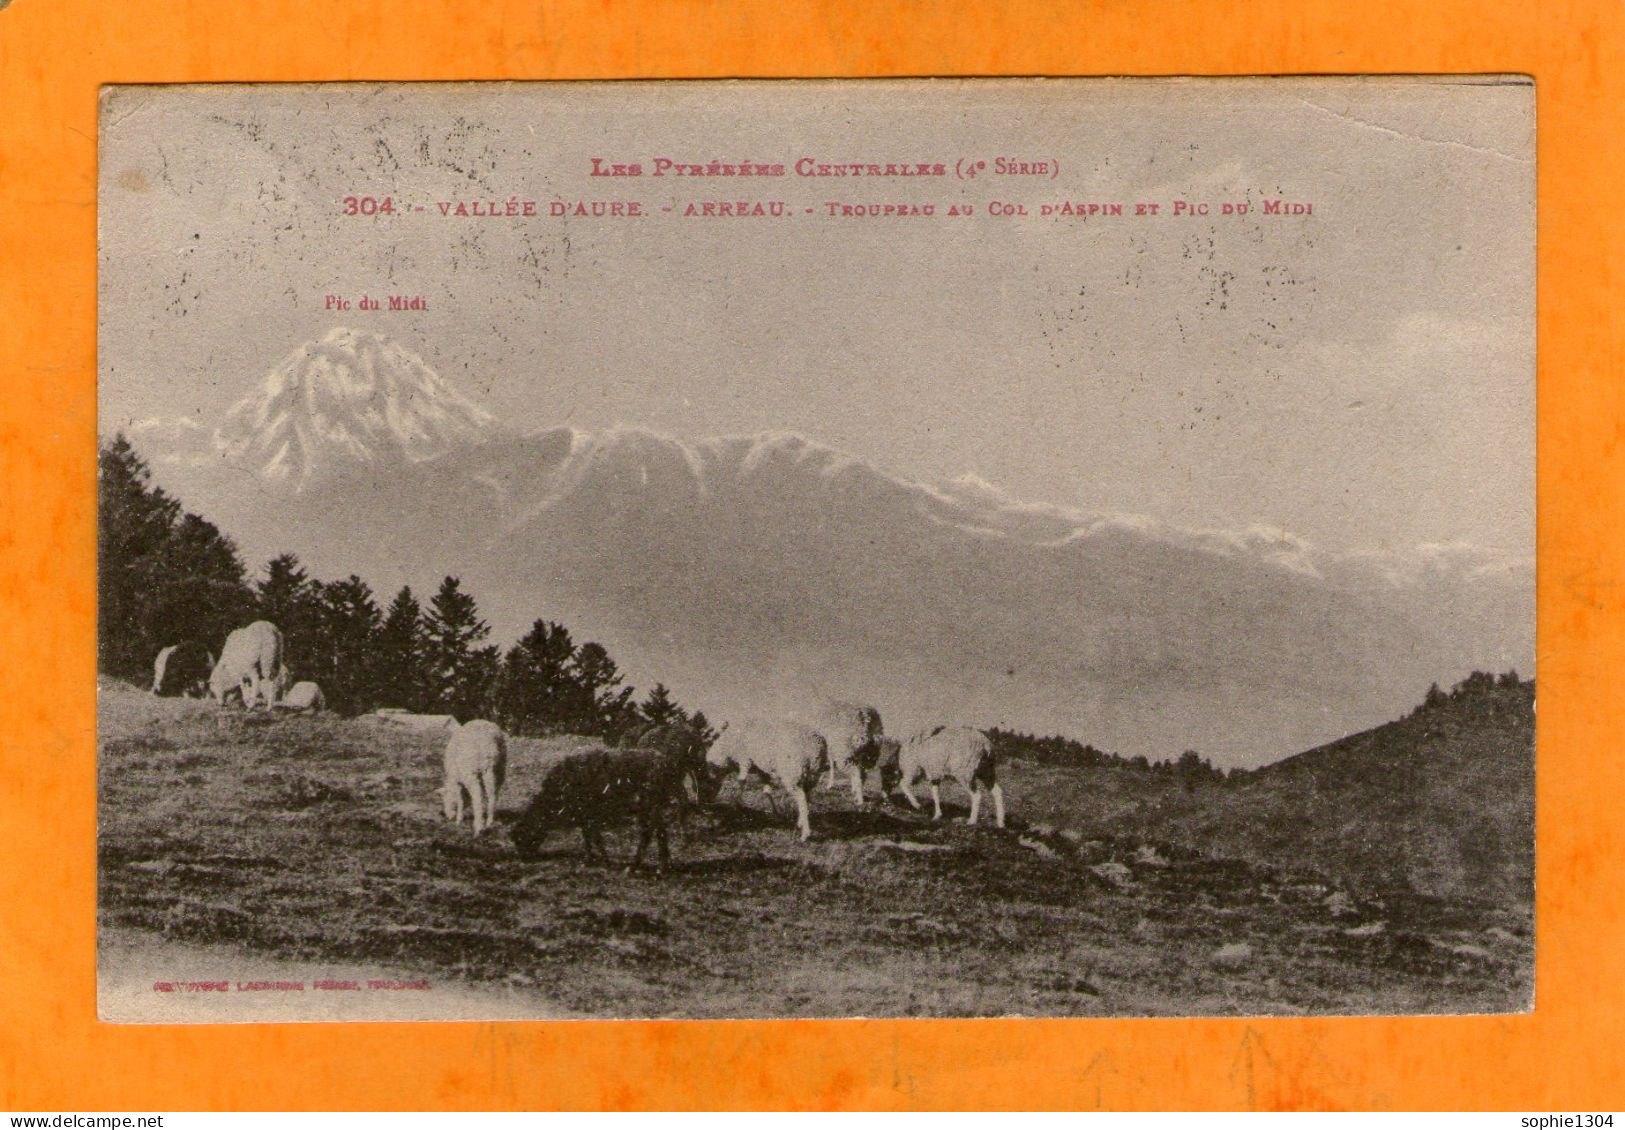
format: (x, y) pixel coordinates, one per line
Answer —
(850, 548)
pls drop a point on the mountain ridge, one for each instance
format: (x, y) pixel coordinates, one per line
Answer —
(755, 571)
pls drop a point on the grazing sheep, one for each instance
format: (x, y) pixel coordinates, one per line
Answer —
(959, 752)
(476, 762)
(851, 732)
(305, 696)
(595, 787)
(182, 669)
(251, 666)
(787, 753)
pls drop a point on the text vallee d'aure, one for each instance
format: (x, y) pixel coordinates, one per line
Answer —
(855, 199)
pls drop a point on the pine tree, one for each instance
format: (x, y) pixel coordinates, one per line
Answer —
(479, 678)
(350, 626)
(285, 592)
(164, 575)
(399, 674)
(701, 725)
(603, 705)
(533, 691)
(454, 628)
(660, 709)
(134, 519)
(291, 600)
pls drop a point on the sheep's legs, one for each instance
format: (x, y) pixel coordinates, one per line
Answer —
(685, 805)
(908, 794)
(594, 840)
(998, 804)
(454, 795)
(651, 828)
(646, 833)
(476, 798)
(936, 801)
(857, 784)
(975, 805)
(487, 801)
(802, 820)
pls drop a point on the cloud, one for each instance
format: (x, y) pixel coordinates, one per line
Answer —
(176, 441)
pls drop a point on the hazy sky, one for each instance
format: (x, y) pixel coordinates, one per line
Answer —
(1362, 376)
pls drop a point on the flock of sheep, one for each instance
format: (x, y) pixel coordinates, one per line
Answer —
(251, 667)
(648, 776)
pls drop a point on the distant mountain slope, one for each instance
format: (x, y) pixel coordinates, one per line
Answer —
(751, 573)
(1440, 802)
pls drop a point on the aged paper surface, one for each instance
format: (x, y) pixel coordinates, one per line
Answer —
(1169, 444)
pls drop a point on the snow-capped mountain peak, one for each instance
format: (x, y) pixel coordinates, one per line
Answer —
(352, 397)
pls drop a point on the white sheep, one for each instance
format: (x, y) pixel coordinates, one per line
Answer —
(476, 762)
(790, 754)
(850, 731)
(252, 666)
(304, 695)
(959, 752)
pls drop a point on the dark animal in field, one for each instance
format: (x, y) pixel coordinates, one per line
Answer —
(182, 669)
(681, 744)
(596, 788)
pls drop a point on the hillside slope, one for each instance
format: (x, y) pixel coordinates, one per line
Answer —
(312, 841)
(1439, 803)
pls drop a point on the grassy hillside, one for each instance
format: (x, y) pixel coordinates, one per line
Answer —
(316, 839)
(1440, 803)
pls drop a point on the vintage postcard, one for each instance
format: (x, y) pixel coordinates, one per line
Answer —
(816, 549)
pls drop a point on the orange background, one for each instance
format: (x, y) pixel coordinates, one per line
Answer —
(55, 1055)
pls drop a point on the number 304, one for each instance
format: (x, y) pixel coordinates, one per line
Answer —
(368, 205)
